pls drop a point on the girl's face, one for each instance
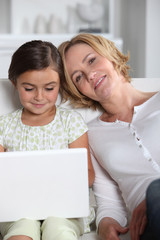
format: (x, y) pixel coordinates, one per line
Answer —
(93, 74)
(38, 90)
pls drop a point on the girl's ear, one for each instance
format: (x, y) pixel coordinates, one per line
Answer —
(14, 84)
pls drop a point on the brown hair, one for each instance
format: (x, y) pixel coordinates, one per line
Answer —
(35, 55)
(105, 48)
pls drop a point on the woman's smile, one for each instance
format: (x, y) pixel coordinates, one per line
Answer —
(98, 82)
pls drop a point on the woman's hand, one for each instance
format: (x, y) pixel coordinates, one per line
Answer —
(109, 229)
(138, 221)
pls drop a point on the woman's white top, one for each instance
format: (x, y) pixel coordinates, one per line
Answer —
(128, 156)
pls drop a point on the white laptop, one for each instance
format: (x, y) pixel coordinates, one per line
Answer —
(39, 184)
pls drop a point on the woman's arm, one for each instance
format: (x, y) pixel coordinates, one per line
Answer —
(82, 142)
(111, 216)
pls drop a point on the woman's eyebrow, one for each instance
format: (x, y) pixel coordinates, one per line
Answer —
(74, 73)
(84, 59)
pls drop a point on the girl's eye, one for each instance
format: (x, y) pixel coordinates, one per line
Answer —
(49, 89)
(91, 60)
(28, 89)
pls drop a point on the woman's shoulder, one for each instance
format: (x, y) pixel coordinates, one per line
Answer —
(152, 98)
(94, 121)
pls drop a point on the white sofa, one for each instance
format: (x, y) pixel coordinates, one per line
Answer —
(9, 101)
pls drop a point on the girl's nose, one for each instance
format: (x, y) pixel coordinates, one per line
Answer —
(39, 95)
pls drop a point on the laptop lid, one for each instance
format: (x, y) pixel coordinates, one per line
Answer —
(39, 184)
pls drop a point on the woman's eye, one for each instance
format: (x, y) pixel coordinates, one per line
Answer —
(78, 78)
(91, 60)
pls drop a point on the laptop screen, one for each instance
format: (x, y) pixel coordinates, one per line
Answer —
(39, 184)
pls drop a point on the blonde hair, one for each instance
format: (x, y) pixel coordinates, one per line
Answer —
(105, 48)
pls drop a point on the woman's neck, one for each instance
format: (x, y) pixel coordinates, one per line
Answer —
(121, 104)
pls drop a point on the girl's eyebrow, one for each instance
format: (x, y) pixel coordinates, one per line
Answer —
(26, 83)
(51, 83)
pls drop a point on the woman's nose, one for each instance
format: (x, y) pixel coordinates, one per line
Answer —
(91, 75)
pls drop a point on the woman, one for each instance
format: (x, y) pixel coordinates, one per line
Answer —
(123, 138)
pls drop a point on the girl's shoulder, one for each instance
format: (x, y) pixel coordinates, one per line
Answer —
(69, 117)
(11, 116)
(68, 112)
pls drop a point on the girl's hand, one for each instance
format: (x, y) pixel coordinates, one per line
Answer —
(138, 221)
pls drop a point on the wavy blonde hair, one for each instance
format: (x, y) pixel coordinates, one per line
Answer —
(103, 47)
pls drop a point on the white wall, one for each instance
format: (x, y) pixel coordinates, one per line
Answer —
(4, 11)
(138, 25)
(152, 38)
(136, 22)
(132, 30)
(64, 14)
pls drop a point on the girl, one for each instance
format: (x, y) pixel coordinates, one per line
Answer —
(36, 71)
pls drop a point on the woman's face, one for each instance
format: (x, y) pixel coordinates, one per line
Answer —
(92, 74)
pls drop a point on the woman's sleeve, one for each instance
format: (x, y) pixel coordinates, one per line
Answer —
(108, 196)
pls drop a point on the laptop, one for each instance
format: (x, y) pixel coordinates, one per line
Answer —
(39, 184)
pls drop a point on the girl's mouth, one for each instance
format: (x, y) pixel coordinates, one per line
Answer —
(38, 105)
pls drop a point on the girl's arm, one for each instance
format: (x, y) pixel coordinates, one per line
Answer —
(1, 148)
(82, 142)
